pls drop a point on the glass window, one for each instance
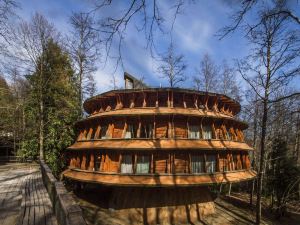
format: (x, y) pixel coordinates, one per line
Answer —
(104, 132)
(234, 161)
(128, 84)
(229, 134)
(143, 163)
(147, 131)
(207, 132)
(130, 132)
(197, 163)
(194, 132)
(210, 163)
(97, 161)
(126, 164)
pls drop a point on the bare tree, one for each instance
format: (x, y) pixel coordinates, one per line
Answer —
(271, 66)
(228, 83)
(147, 17)
(31, 39)
(172, 67)
(280, 8)
(207, 75)
(84, 49)
(6, 12)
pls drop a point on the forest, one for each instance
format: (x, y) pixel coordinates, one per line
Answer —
(46, 76)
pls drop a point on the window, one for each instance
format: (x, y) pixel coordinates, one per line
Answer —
(147, 131)
(128, 84)
(207, 132)
(97, 162)
(197, 163)
(235, 162)
(143, 163)
(130, 132)
(126, 164)
(194, 132)
(210, 163)
(229, 134)
(103, 132)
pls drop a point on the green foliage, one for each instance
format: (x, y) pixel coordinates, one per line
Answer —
(282, 175)
(61, 109)
(7, 108)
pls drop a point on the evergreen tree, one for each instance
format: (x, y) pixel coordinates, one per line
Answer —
(61, 107)
(282, 176)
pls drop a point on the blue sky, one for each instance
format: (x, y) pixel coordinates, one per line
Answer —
(194, 35)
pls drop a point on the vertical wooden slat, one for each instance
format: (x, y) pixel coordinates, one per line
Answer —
(154, 127)
(97, 133)
(138, 134)
(190, 163)
(120, 161)
(92, 161)
(204, 157)
(152, 164)
(144, 101)
(83, 161)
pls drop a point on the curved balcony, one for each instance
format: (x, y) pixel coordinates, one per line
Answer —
(159, 180)
(160, 144)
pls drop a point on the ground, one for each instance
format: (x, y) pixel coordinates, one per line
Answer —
(23, 196)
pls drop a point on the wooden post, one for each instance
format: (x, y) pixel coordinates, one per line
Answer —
(190, 163)
(214, 130)
(97, 133)
(170, 128)
(83, 162)
(92, 162)
(206, 102)
(229, 191)
(144, 102)
(196, 101)
(138, 133)
(183, 100)
(154, 128)
(120, 161)
(125, 128)
(156, 103)
(252, 192)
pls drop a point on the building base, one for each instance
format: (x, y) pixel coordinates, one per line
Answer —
(129, 205)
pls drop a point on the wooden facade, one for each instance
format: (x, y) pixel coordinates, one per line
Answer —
(160, 137)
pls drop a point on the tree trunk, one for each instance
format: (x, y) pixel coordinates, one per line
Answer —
(41, 135)
(261, 162)
(41, 106)
(263, 135)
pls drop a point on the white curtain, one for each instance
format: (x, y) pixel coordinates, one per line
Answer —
(197, 164)
(194, 132)
(143, 163)
(207, 132)
(126, 164)
(210, 163)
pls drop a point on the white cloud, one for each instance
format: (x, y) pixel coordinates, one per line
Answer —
(195, 36)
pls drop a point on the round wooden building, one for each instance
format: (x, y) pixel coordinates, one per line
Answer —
(164, 146)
